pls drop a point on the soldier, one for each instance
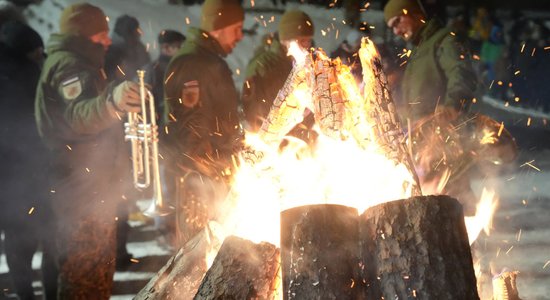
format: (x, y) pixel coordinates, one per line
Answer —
(439, 71)
(201, 103)
(438, 85)
(79, 118)
(268, 70)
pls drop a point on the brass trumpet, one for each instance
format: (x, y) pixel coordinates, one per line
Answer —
(142, 132)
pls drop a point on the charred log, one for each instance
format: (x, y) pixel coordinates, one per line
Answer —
(417, 249)
(319, 252)
(181, 276)
(242, 270)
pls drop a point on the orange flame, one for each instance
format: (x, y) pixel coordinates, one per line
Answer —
(351, 170)
(484, 215)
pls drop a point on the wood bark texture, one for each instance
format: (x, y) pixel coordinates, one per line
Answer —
(181, 276)
(242, 270)
(417, 248)
(320, 252)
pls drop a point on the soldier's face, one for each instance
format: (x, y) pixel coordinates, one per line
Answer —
(230, 36)
(102, 38)
(404, 26)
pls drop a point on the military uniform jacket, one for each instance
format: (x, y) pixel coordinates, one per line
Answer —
(265, 76)
(439, 72)
(76, 120)
(201, 108)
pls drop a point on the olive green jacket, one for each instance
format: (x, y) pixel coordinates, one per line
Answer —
(266, 73)
(439, 72)
(78, 123)
(203, 130)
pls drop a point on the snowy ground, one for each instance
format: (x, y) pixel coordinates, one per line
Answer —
(521, 236)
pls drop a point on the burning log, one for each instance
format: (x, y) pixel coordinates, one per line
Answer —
(181, 276)
(504, 286)
(287, 109)
(382, 112)
(417, 248)
(242, 270)
(319, 252)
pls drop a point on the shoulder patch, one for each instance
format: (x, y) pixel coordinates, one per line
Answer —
(71, 88)
(190, 94)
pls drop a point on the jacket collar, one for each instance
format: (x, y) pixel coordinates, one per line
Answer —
(427, 31)
(205, 41)
(79, 45)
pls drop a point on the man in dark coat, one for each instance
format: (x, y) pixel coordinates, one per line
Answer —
(126, 54)
(201, 102)
(25, 214)
(267, 72)
(169, 42)
(79, 117)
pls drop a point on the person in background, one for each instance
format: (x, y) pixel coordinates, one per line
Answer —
(203, 131)
(267, 72)
(79, 117)
(347, 52)
(127, 53)
(26, 214)
(169, 42)
(124, 57)
(480, 30)
(438, 85)
(492, 54)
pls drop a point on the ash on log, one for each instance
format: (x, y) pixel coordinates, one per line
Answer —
(417, 248)
(242, 270)
(319, 252)
(181, 276)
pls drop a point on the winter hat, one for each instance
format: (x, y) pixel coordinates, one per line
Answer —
(20, 38)
(126, 26)
(396, 8)
(168, 36)
(83, 19)
(218, 14)
(294, 24)
(8, 11)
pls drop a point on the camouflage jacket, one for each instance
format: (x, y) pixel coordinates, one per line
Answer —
(266, 73)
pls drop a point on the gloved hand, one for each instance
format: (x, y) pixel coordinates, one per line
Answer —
(126, 97)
